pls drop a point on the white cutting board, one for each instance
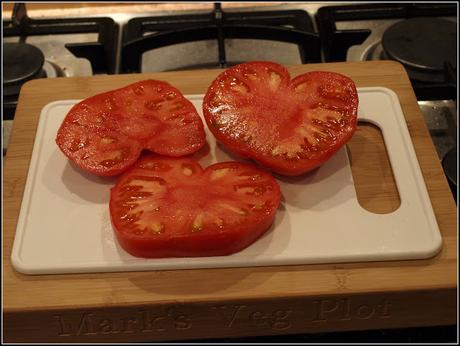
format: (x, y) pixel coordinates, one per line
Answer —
(64, 224)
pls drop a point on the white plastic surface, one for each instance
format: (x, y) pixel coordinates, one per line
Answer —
(64, 224)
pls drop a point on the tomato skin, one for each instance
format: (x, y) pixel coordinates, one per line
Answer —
(218, 185)
(198, 246)
(289, 126)
(105, 134)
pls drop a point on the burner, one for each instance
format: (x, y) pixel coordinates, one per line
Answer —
(423, 46)
(22, 62)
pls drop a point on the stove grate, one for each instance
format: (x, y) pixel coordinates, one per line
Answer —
(101, 54)
(148, 33)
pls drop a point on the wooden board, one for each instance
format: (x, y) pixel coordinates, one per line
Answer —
(209, 303)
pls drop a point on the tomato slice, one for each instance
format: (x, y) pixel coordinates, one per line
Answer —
(171, 207)
(290, 126)
(106, 133)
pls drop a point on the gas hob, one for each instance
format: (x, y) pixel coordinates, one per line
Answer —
(220, 37)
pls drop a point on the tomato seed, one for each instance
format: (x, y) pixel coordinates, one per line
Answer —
(162, 167)
(220, 223)
(111, 104)
(128, 205)
(274, 81)
(289, 150)
(157, 228)
(139, 90)
(257, 206)
(301, 87)
(153, 105)
(253, 177)
(251, 76)
(239, 88)
(186, 121)
(187, 169)
(84, 107)
(277, 150)
(219, 173)
(151, 184)
(177, 106)
(107, 140)
(128, 188)
(247, 138)
(259, 190)
(139, 195)
(156, 166)
(113, 159)
(197, 223)
(239, 211)
(77, 145)
(248, 190)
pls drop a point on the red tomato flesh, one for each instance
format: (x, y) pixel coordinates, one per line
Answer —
(290, 126)
(105, 133)
(171, 207)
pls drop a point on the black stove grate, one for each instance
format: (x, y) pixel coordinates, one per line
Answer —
(293, 26)
(101, 54)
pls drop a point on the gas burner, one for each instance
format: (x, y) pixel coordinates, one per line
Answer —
(22, 62)
(51, 48)
(414, 43)
(423, 46)
(431, 66)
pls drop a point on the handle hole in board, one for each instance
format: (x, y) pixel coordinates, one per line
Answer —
(375, 184)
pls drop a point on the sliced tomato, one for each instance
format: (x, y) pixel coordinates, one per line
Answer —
(290, 126)
(171, 207)
(106, 133)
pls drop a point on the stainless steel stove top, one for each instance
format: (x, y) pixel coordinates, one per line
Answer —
(439, 115)
(441, 120)
(59, 62)
(204, 54)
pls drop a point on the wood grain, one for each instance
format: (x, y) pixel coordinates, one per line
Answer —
(374, 181)
(34, 303)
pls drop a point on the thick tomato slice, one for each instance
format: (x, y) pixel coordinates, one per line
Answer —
(171, 207)
(290, 126)
(106, 133)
